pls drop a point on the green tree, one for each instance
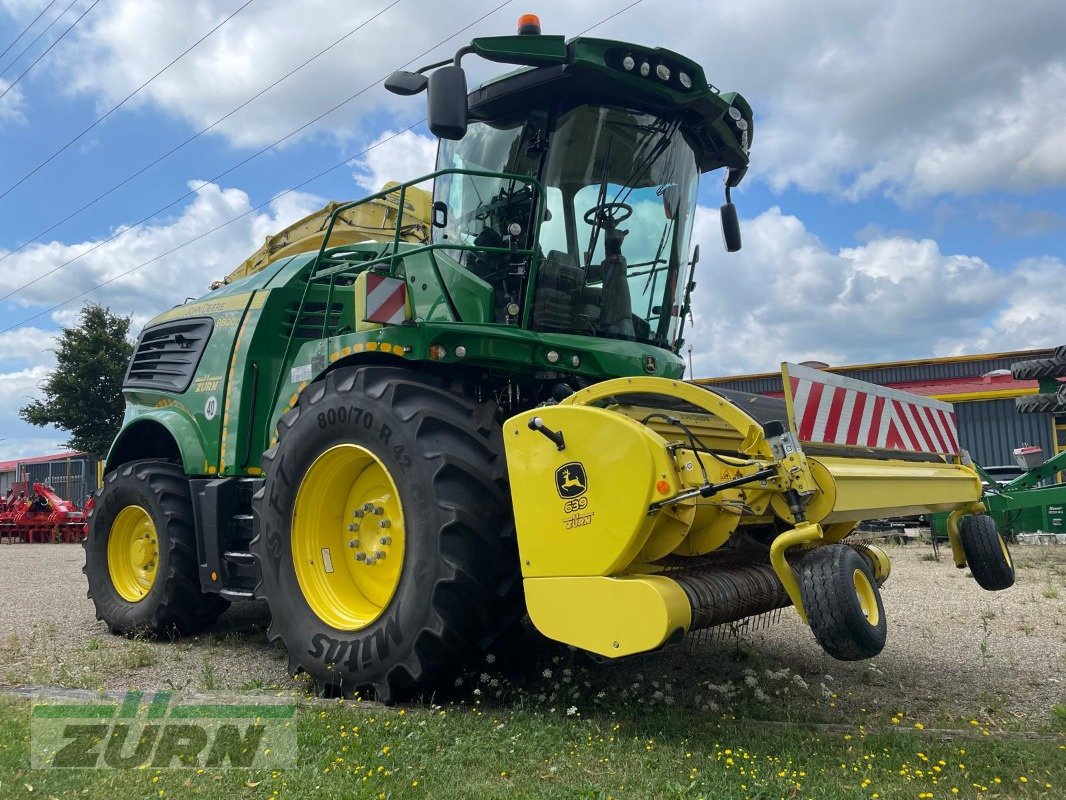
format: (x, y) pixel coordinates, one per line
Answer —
(83, 395)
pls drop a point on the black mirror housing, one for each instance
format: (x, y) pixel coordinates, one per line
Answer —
(730, 227)
(406, 83)
(446, 110)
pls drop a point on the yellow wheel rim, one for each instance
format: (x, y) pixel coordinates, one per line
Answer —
(348, 537)
(132, 553)
(864, 590)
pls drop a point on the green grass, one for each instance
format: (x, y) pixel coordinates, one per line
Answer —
(616, 751)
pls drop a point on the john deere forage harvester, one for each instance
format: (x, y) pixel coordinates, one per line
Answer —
(410, 420)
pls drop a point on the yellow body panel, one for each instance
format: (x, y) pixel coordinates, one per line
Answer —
(584, 510)
(610, 616)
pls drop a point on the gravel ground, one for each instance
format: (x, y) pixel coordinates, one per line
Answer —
(954, 651)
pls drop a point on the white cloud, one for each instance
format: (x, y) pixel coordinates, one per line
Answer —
(11, 104)
(786, 296)
(163, 283)
(907, 98)
(396, 157)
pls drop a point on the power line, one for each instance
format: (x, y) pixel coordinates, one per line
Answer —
(244, 161)
(26, 30)
(48, 49)
(196, 135)
(608, 19)
(131, 270)
(300, 185)
(122, 102)
(37, 38)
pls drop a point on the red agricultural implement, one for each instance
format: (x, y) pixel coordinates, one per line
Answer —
(40, 515)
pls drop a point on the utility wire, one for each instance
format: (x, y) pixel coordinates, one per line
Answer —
(300, 185)
(195, 136)
(48, 49)
(122, 102)
(244, 161)
(37, 38)
(608, 19)
(131, 270)
(26, 30)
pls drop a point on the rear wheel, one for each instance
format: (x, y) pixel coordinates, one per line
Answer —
(1046, 403)
(140, 554)
(384, 533)
(986, 553)
(843, 603)
(1037, 368)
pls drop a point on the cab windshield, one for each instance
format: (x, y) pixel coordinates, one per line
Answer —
(621, 190)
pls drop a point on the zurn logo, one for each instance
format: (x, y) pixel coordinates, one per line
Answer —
(157, 733)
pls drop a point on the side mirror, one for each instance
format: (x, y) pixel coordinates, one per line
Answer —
(406, 83)
(446, 112)
(730, 227)
(440, 214)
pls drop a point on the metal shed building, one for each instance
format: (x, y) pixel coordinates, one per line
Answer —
(980, 387)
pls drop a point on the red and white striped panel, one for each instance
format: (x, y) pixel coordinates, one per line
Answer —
(386, 299)
(831, 409)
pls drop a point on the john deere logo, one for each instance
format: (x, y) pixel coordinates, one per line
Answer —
(649, 363)
(570, 480)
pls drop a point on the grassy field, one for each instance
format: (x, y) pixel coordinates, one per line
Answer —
(515, 744)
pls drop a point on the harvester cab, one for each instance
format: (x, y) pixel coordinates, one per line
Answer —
(408, 421)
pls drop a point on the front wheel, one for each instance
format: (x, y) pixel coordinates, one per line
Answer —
(385, 540)
(140, 554)
(843, 603)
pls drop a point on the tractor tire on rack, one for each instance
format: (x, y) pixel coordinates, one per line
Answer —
(385, 536)
(986, 553)
(1042, 403)
(1038, 368)
(842, 602)
(140, 554)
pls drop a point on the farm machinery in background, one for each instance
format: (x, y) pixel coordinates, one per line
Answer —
(1031, 502)
(35, 513)
(411, 420)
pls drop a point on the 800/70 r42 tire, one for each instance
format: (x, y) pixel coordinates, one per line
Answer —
(140, 554)
(385, 539)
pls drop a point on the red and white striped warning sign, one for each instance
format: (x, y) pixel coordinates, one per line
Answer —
(831, 409)
(386, 299)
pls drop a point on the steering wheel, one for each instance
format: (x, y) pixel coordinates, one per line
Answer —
(605, 213)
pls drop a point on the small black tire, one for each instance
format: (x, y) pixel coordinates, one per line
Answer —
(459, 587)
(842, 602)
(1038, 368)
(175, 604)
(986, 552)
(1047, 403)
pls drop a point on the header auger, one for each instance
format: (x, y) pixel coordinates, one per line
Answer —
(410, 420)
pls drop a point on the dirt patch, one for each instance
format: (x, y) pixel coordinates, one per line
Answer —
(954, 652)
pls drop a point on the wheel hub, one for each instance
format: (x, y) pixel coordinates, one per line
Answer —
(348, 537)
(132, 553)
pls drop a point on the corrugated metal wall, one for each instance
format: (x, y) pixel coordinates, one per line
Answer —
(991, 429)
(931, 371)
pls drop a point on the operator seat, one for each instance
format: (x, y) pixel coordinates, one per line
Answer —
(558, 280)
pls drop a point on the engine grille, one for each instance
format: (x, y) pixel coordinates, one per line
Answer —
(167, 355)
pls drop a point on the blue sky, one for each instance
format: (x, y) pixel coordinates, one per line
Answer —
(907, 195)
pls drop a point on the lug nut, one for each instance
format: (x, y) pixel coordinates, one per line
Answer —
(370, 561)
(358, 513)
(368, 507)
(360, 556)
(353, 527)
(353, 543)
(385, 524)
(379, 510)
(379, 554)
(385, 540)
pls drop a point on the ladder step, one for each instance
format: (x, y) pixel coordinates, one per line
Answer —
(243, 517)
(237, 594)
(239, 557)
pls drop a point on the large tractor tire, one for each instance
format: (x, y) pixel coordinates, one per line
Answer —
(986, 553)
(1042, 403)
(843, 602)
(1037, 368)
(385, 537)
(140, 554)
